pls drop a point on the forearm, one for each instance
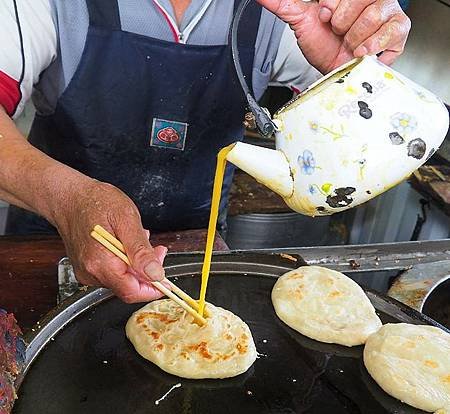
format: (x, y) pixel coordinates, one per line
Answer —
(29, 178)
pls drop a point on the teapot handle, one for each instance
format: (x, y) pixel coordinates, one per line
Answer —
(262, 118)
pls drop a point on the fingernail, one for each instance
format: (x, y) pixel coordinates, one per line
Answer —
(154, 271)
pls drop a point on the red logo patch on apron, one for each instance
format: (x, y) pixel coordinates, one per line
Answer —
(168, 134)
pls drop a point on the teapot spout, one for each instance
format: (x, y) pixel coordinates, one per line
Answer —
(267, 166)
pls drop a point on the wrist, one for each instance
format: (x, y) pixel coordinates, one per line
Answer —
(65, 187)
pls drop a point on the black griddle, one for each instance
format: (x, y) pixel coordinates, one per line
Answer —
(79, 360)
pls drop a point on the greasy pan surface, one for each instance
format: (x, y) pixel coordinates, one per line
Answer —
(90, 366)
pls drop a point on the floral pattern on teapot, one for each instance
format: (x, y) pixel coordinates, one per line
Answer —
(356, 133)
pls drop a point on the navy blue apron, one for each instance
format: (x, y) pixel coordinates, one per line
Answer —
(148, 116)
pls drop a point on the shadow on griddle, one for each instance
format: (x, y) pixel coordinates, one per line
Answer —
(156, 373)
(391, 404)
(322, 347)
(209, 384)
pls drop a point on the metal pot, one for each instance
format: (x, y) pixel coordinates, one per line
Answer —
(259, 231)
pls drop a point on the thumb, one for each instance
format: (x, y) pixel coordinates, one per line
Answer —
(160, 253)
(287, 10)
(145, 261)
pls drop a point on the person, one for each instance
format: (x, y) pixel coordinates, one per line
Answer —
(134, 99)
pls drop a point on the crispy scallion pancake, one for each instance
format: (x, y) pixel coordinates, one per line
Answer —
(324, 305)
(412, 363)
(165, 334)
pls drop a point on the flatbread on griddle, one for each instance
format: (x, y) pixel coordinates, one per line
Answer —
(411, 363)
(324, 305)
(165, 334)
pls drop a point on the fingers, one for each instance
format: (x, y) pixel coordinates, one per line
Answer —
(349, 12)
(288, 11)
(388, 57)
(145, 262)
(131, 290)
(99, 262)
(143, 258)
(160, 253)
(369, 22)
(341, 13)
(97, 266)
(85, 278)
(390, 39)
(327, 8)
(280, 7)
(111, 272)
(369, 26)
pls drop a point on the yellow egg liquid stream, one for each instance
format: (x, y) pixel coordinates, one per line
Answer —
(215, 202)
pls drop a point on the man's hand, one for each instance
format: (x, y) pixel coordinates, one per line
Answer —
(332, 32)
(101, 203)
(75, 203)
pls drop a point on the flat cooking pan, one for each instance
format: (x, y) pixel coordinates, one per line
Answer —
(79, 360)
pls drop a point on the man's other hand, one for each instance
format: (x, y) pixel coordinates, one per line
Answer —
(332, 32)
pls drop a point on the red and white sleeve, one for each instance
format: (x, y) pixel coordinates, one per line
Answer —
(28, 44)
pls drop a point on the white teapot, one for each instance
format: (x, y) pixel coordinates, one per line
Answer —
(352, 135)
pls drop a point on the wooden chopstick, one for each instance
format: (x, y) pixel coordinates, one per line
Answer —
(113, 249)
(108, 244)
(117, 245)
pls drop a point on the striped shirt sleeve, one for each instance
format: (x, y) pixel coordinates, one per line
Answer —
(28, 46)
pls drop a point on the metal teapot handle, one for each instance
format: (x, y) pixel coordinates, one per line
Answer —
(263, 121)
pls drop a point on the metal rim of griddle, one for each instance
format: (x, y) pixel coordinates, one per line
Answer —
(180, 266)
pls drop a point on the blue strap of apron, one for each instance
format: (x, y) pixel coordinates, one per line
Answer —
(104, 13)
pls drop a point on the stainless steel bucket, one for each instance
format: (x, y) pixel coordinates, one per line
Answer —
(254, 231)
